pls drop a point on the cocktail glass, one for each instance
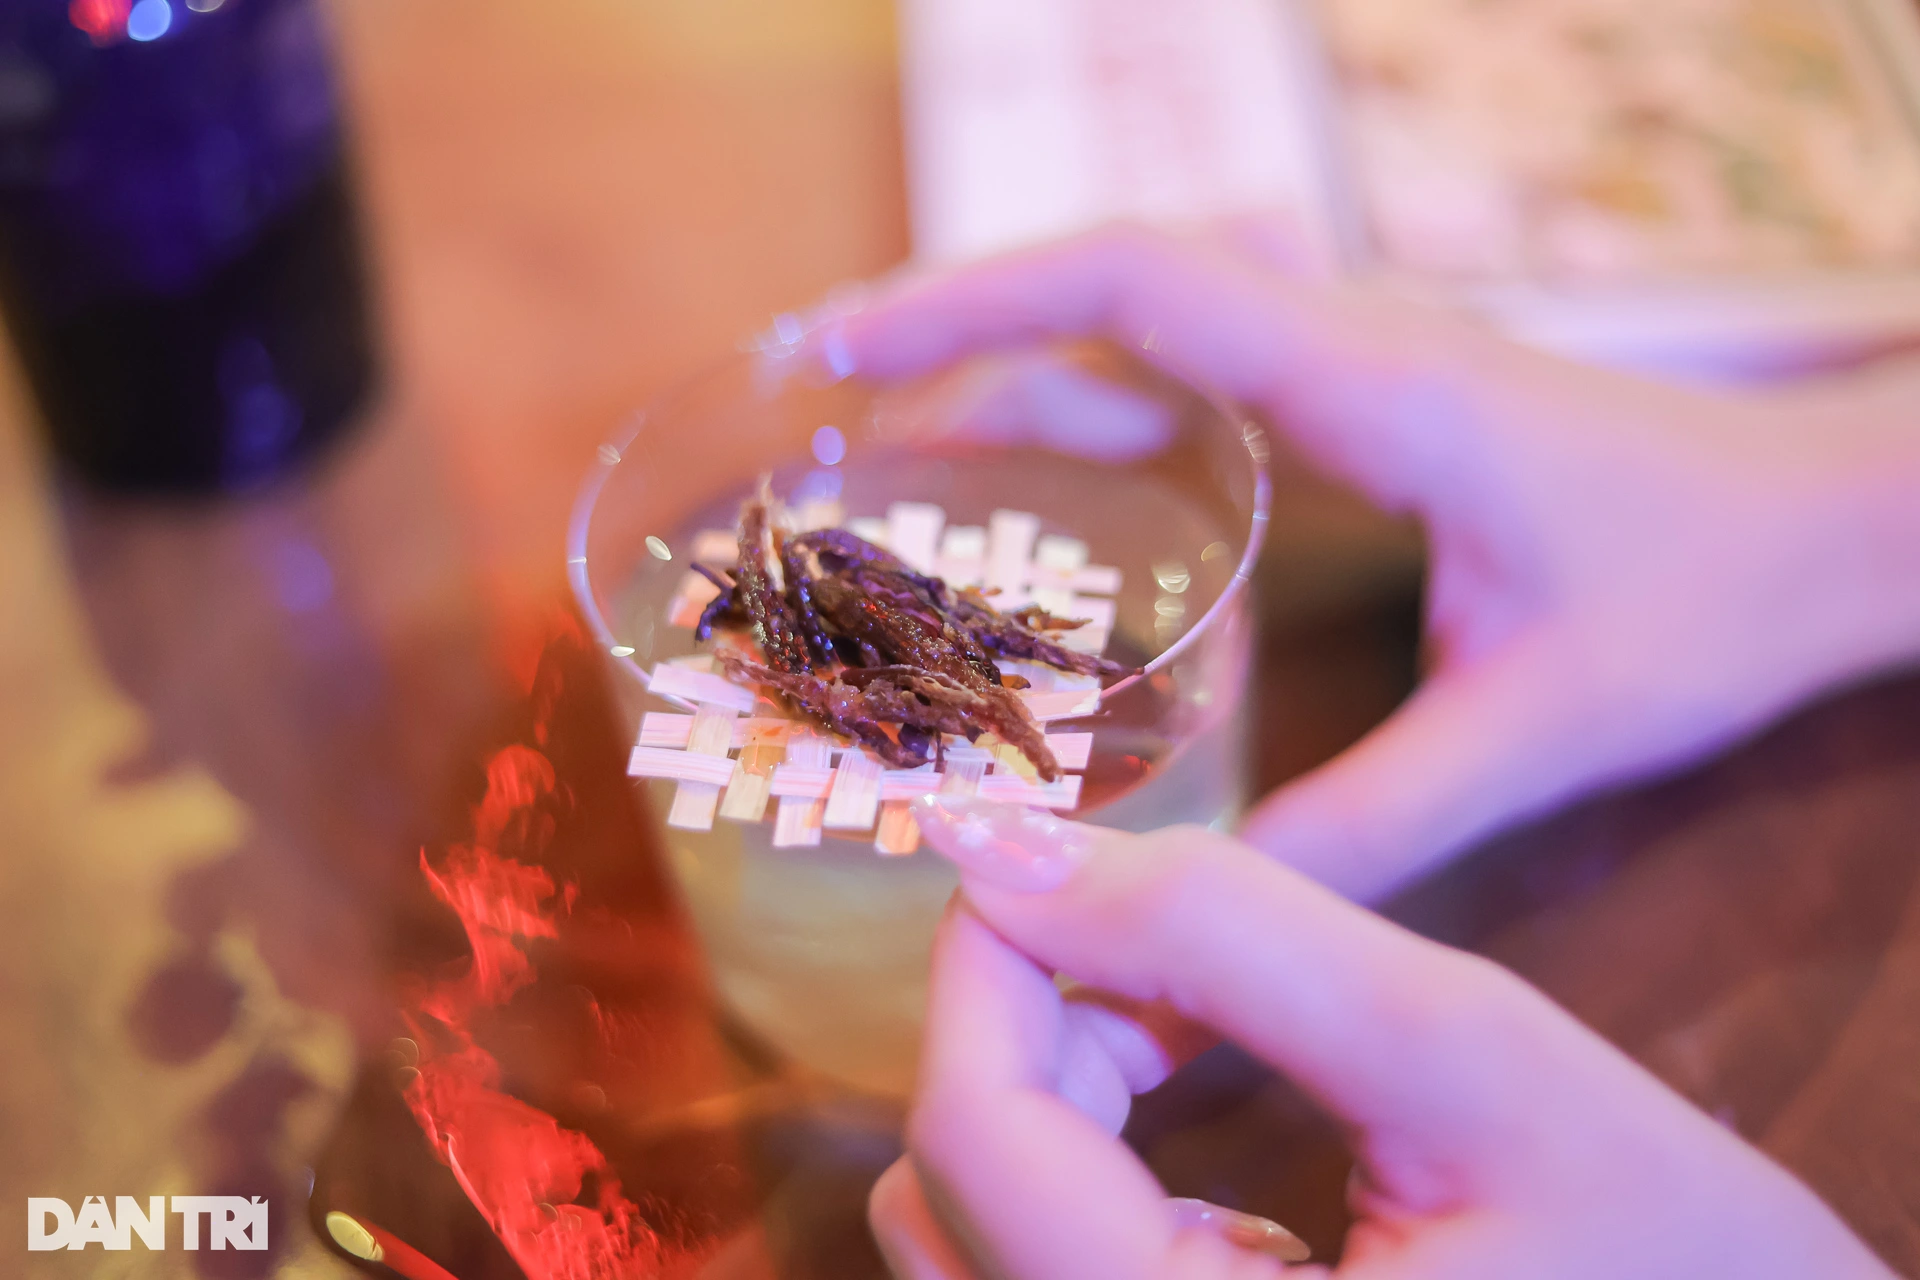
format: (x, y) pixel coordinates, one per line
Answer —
(821, 953)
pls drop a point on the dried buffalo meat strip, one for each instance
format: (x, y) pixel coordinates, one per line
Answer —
(901, 637)
(774, 626)
(947, 655)
(1020, 635)
(853, 551)
(856, 640)
(724, 607)
(801, 571)
(843, 708)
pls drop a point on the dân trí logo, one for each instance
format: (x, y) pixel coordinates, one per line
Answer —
(233, 1222)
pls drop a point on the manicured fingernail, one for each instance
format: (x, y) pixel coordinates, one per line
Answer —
(1244, 1230)
(1004, 845)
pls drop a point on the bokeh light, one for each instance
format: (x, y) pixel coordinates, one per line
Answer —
(829, 446)
(149, 20)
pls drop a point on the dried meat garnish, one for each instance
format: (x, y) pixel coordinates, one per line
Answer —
(867, 647)
(846, 709)
(800, 575)
(1025, 633)
(775, 628)
(724, 607)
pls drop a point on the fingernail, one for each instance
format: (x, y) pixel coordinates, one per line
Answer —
(1004, 845)
(1243, 1230)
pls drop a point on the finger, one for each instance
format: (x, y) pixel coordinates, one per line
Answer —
(1016, 1179)
(1025, 1181)
(1384, 1029)
(1117, 1048)
(1362, 381)
(911, 1239)
(1474, 749)
(1037, 399)
(917, 1245)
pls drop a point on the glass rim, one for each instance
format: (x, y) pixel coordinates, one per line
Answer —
(613, 451)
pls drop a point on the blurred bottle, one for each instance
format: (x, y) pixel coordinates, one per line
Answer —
(179, 258)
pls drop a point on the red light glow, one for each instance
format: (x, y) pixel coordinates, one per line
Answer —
(547, 1192)
(104, 21)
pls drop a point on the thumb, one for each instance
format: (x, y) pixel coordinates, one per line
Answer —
(1474, 749)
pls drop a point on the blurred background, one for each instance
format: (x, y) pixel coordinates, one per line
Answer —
(241, 705)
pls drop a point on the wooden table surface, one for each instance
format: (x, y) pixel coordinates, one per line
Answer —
(229, 734)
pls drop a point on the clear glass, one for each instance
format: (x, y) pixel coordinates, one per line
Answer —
(821, 953)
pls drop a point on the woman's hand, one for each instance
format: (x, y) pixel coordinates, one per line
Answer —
(1496, 1137)
(1626, 575)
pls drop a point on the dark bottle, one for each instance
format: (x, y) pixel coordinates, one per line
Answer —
(179, 256)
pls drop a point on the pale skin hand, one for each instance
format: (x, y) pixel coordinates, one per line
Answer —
(1627, 575)
(1497, 1139)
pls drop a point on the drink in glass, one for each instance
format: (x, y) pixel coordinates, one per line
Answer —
(821, 950)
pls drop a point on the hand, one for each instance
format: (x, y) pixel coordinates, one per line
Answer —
(1626, 575)
(1496, 1137)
